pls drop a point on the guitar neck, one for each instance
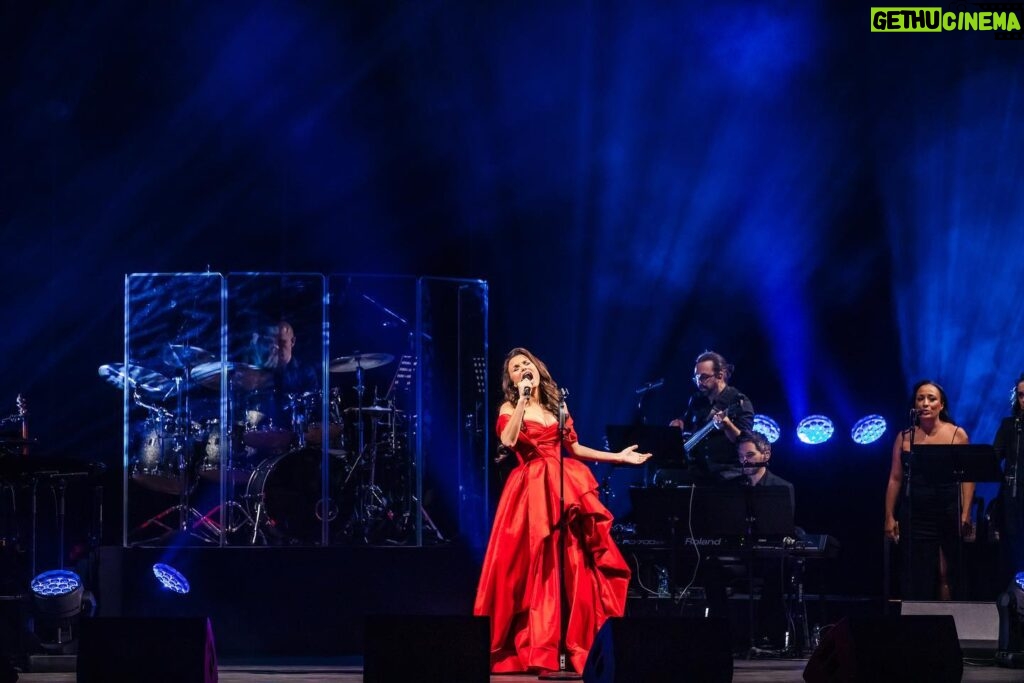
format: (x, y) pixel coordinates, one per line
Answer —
(698, 435)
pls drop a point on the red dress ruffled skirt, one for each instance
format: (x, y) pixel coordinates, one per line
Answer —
(519, 585)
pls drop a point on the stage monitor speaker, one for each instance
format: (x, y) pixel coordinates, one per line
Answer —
(155, 650)
(426, 648)
(977, 623)
(659, 650)
(888, 649)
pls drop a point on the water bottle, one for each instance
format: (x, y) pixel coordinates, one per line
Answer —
(662, 582)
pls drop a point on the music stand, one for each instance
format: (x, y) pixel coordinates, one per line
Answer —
(955, 463)
(945, 464)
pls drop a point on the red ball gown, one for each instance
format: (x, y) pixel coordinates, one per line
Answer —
(519, 587)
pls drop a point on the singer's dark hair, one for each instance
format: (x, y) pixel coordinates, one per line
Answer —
(718, 363)
(1014, 403)
(760, 442)
(944, 414)
(547, 391)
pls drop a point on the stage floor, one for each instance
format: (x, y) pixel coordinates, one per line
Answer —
(768, 671)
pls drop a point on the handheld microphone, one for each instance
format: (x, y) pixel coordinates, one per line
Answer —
(528, 390)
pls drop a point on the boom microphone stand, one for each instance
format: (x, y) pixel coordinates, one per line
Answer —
(563, 674)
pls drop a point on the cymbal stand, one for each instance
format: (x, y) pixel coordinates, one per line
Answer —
(360, 388)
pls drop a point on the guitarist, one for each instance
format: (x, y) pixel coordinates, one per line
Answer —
(732, 413)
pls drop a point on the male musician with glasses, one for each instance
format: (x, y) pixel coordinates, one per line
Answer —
(726, 409)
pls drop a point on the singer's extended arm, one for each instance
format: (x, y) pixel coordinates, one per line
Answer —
(629, 454)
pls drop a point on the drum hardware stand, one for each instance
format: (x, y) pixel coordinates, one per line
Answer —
(190, 520)
(197, 524)
(300, 420)
(230, 508)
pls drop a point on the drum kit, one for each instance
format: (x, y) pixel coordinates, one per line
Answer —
(269, 455)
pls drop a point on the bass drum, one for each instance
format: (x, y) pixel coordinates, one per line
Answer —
(284, 495)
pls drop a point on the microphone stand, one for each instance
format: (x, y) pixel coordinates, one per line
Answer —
(563, 674)
(908, 465)
(1016, 456)
(641, 418)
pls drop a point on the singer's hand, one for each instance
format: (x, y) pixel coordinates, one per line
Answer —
(892, 530)
(525, 387)
(967, 529)
(629, 455)
(677, 423)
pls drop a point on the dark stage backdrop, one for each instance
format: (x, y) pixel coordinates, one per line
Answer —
(834, 210)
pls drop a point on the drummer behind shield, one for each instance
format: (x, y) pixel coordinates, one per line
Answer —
(288, 376)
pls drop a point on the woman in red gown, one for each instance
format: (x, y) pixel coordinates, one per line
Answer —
(519, 585)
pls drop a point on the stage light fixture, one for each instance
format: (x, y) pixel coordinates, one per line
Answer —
(170, 578)
(868, 429)
(815, 429)
(60, 600)
(57, 593)
(767, 427)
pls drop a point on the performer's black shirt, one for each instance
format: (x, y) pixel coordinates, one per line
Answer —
(715, 452)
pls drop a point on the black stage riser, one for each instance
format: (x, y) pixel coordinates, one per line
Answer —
(289, 602)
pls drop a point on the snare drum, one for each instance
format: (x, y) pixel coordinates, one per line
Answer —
(260, 432)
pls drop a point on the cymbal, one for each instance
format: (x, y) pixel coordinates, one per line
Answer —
(146, 381)
(366, 361)
(179, 356)
(240, 376)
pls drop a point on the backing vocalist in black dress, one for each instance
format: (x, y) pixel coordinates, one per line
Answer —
(931, 517)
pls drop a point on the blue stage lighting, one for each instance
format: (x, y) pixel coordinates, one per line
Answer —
(815, 429)
(1019, 580)
(170, 578)
(868, 429)
(57, 593)
(56, 582)
(767, 427)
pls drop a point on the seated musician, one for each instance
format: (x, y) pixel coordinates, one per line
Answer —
(288, 377)
(754, 454)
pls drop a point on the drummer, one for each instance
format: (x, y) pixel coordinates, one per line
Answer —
(289, 378)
